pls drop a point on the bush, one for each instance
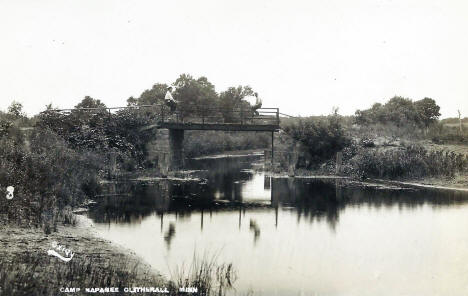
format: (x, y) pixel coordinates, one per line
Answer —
(198, 143)
(101, 132)
(46, 175)
(323, 137)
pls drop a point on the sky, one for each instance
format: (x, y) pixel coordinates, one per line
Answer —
(303, 56)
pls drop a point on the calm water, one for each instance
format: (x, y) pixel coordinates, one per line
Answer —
(295, 236)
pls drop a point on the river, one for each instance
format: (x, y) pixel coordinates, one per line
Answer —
(294, 236)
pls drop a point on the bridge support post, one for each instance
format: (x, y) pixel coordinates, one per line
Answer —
(272, 148)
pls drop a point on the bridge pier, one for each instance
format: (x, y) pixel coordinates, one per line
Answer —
(166, 150)
(176, 146)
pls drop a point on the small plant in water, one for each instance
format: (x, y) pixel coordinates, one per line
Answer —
(204, 274)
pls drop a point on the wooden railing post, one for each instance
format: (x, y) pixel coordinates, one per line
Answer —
(162, 113)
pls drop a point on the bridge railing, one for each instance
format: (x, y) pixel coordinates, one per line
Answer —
(202, 115)
(206, 115)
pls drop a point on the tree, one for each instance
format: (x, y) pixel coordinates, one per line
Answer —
(428, 111)
(373, 115)
(89, 102)
(400, 111)
(16, 110)
(151, 96)
(90, 117)
(232, 99)
(132, 101)
(195, 96)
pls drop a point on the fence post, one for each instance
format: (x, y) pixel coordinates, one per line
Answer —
(162, 113)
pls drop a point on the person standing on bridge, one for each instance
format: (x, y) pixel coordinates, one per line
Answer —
(169, 100)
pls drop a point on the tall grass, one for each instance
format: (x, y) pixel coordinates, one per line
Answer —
(443, 133)
(38, 274)
(411, 162)
(205, 274)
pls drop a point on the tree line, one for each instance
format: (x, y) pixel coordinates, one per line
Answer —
(401, 111)
(197, 96)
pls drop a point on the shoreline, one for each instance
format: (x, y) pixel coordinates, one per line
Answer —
(423, 185)
(85, 227)
(432, 183)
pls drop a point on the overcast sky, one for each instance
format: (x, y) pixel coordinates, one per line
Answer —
(301, 56)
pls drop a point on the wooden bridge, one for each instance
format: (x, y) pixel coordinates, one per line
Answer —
(219, 119)
(169, 126)
(189, 118)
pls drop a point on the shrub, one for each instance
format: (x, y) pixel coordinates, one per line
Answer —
(323, 137)
(207, 142)
(47, 176)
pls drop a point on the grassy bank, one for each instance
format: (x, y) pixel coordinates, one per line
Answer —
(26, 269)
(50, 178)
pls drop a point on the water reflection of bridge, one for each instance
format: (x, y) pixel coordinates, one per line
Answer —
(309, 198)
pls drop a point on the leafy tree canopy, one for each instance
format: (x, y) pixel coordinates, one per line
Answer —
(400, 111)
(194, 94)
(89, 102)
(16, 110)
(428, 110)
(150, 96)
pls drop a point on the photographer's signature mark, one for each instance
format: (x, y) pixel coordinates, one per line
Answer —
(68, 253)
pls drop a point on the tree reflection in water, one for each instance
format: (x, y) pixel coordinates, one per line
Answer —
(221, 189)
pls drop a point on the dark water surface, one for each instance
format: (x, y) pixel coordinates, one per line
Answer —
(290, 236)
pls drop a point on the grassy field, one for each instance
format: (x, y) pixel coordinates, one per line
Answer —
(462, 149)
(456, 125)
